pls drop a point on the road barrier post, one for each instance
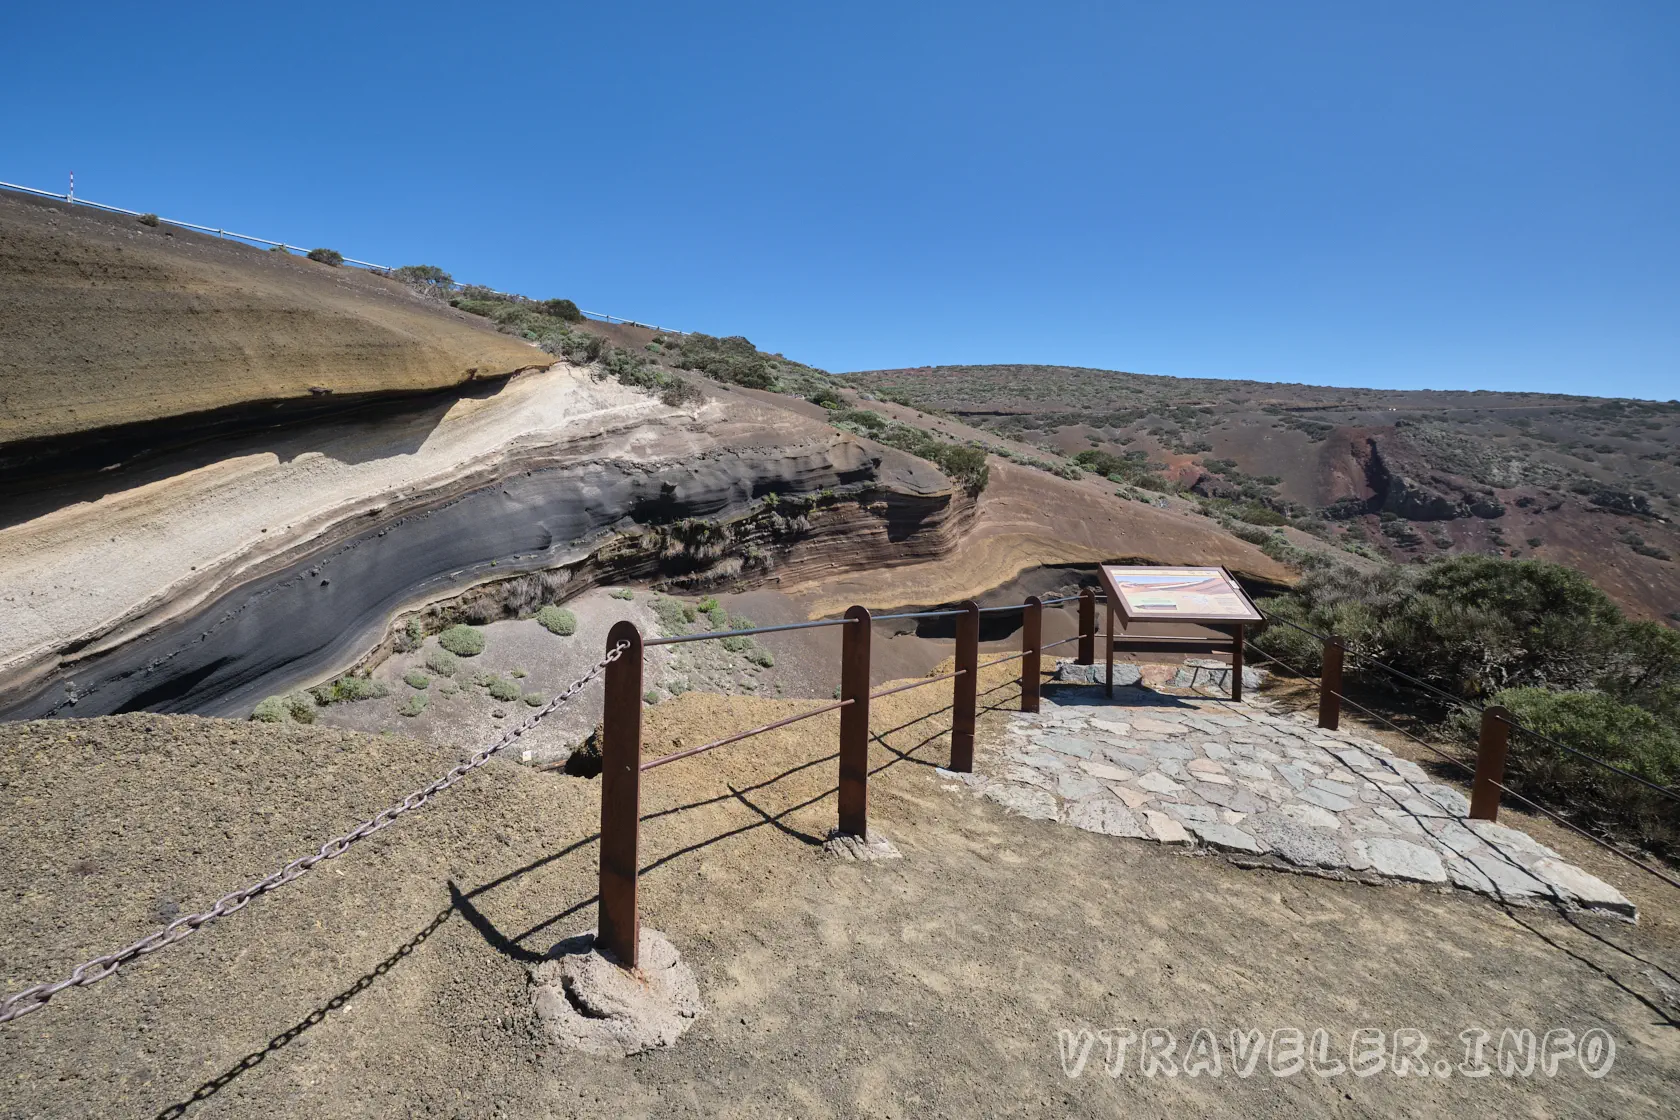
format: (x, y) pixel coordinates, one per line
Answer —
(1490, 764)
(965, 690)
(1330, 686)
(1032, 636)
(1087, 627)
(854, 724)
(617, 927)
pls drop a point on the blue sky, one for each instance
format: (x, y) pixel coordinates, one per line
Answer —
(1460, 195)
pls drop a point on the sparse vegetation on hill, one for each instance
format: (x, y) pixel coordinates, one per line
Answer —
(1402, 475)
(963, 464)
(326, 256)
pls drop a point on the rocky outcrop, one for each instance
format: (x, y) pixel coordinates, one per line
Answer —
(1400, 481)
(600, 519)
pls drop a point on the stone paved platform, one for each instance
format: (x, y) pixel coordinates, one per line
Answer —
(1264, 788)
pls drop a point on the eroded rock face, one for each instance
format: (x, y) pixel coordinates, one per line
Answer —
(1402, 482)
(323, 610)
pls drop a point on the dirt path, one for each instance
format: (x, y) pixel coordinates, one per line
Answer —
(392, 981)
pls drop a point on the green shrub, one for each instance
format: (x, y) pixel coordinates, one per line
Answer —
(349, 689)
(152, 220)
(965, 466)
(462, 641)
(708, 604)
(272, 709)
(558, 620)
(413, 705)
(302, 707)
(736, 645)
(518, 674)
(414, 678)
(678, 391)
(442, 662)
(651, 696)
(762, 658)
(1599, 725)
(622, 593)
(326, 256)
(563, 309)
(673, 615)
(1471, 625)
(534, 699)
(504, 689)
(732, 359)
(1258, 515)
(827, 398)
(483, 678)
(428, 278)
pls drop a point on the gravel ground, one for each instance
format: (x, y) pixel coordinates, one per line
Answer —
(392, 981)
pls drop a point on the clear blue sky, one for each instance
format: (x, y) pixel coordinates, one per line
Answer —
(1465, 195)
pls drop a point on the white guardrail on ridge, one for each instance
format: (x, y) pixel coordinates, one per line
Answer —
(73, 200)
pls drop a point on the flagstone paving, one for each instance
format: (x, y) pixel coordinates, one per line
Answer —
(1264, 787)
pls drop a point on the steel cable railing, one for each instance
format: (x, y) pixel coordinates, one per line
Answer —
(1478, 709)
(1471, 770)
(99, 968)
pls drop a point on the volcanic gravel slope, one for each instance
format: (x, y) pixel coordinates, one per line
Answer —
(1593, 483)
(104, 321)
(392, 980)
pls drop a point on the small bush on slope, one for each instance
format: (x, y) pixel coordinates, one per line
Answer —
(558, 620)
(462, 641)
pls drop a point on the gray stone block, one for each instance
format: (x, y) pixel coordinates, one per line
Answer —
(1226, 836)
(1035, 804)
(1104, 815)
(1402, 859)
(1299, 844)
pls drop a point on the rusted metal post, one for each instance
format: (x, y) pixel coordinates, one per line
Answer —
(617, 926)
(1490, 764)
(965, 689)
(1236, 662)
(1087, 627)
(854, 724)
(1108, 681)
(1330, 686)
(1032, 636)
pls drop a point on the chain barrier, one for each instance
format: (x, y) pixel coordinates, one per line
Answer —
(91, 972)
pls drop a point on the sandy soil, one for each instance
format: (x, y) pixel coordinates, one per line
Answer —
(107, 321)
(392, 981)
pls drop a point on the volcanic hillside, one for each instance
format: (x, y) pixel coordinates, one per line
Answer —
(1590, 482)
(232, 473)
(106, 321)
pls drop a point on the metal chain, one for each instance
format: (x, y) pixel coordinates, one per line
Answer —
(91, 972)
